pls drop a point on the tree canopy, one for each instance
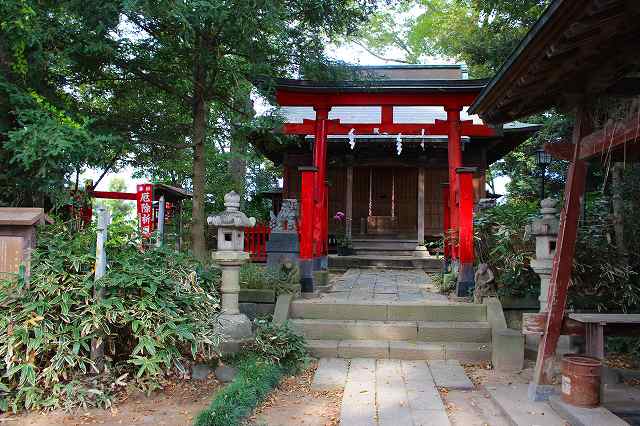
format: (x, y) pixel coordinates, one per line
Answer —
(156, 85)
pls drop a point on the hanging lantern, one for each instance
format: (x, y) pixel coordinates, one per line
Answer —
(352, 138)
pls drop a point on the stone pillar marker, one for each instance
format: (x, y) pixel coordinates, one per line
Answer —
(236, 327)
(545, 231)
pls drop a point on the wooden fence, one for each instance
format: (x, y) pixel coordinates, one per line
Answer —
(255, 242)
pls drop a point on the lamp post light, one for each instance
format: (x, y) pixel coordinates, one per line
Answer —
(543, 159)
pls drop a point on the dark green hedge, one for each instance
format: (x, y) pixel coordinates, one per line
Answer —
(256, 377)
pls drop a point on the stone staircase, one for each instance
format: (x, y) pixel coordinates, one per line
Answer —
(377, 246)
(397, 330)
(384, 252)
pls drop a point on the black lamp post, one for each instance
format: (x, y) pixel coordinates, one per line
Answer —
(543, 159)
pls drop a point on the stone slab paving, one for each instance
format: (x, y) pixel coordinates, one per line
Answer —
(384, 286)
(330, 375)
(359, 399)
(390, 392)
(579, 416)
(515, 405)
(449, 374)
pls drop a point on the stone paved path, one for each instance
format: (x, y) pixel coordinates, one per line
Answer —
(360, 285)
(385, 392)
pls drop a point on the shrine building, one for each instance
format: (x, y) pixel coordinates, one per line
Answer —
(394, 150)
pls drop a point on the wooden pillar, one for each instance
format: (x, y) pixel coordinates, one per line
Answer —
(349, 204)
(161, 213)
(421, 250)
(541, 387)
(446, 224)
(325, 225)
(320, 227)
(465, 230)
(455, 161)
(306, 227)
(179, 226)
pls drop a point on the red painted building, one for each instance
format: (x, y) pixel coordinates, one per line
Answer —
(382, 148)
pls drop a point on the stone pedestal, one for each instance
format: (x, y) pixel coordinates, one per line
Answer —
(283, 248)
(233, 325)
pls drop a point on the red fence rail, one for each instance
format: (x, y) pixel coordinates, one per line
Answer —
(255, 242)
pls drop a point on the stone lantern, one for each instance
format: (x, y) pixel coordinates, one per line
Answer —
(545, 231)
(230, 255)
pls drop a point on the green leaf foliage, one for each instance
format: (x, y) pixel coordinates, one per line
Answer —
(280, 344)
(256, 377)
(501, 243)
(603, 280)
(480, 33)
(281, 280)
(158, 312)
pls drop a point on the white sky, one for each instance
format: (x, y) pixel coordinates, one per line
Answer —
(350, 53)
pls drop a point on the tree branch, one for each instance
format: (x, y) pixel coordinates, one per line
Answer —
(379, 56)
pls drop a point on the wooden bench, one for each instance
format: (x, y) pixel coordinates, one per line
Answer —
(595, 326)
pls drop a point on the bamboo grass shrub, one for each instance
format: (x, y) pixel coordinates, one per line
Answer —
(500, 242)
(158, 315)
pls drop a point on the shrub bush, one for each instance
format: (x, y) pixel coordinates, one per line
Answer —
(603, 280)
(501, 244)
(158, 311)
(280, 344)
(445, 283)
(281, 280)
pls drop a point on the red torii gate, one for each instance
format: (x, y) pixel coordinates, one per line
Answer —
(314, 194)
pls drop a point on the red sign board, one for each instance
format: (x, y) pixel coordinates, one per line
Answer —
(144, 198)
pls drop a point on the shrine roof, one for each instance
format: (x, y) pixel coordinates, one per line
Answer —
(21, 216)
(380, 86)
(171, 193)
(576, 48)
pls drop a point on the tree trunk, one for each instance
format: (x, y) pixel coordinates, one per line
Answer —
(238, 164)
(617, 202)
(238, 161)
(198, 221)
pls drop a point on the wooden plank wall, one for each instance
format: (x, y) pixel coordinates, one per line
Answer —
(433, 220)
(406, 195)
(406, 188)
(360, 197)
(337, 194)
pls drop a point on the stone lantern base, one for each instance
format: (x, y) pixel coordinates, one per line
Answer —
(234, 326)
(236, 330)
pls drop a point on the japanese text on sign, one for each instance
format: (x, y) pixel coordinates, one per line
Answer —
(144, 196)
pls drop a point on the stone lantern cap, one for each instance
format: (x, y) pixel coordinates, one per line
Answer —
(231, 217)
(548, 224)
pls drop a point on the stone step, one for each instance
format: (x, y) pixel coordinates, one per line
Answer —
(384, 245)
(363, 251)
(384, 262)
(429, 331)
(382, 349)
(443, 312)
